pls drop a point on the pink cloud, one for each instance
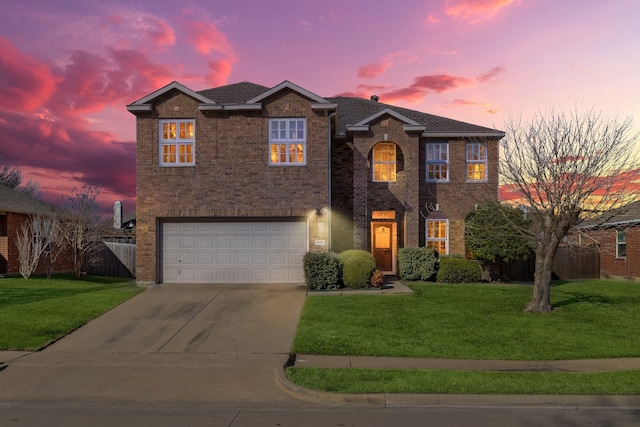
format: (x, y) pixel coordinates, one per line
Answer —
(373, 70)
(25, 84)
(142, 28)
(52, 150)
(440, 82)
(458, 102)
(220, 71)
(432, 19)
(90, 82)
(206, 37)
(475, 10)
(495, 71)
(422, 86)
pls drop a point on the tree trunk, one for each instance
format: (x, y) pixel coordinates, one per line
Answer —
(541, 299)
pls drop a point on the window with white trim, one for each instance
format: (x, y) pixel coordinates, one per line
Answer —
(438, 235)
(621, 244)
(288, 142)
(476, 161)
(437, 161)
(177, 143)
(384, 162)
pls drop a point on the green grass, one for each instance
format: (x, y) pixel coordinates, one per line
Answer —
(464, 382)
(593, 319)
(35, 312)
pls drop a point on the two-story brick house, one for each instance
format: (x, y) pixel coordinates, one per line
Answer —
(236, 183)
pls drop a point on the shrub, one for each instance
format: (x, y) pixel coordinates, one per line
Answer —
(322, 270)
(458, 270)
(417, 263)
(357, 268)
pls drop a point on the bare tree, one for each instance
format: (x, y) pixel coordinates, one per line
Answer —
(30, 248)
(81, 225)
(54, 242)
(567, 167)
(39, 240)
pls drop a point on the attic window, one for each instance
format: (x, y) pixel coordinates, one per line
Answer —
(384, 123)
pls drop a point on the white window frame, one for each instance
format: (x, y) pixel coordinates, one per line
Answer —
(178, 142)
(621, 242)
(438, 239)
(476, 154)
(391, 165)
(439, 159)
(287, 141)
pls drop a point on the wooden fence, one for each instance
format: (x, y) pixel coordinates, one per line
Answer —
(113, 259)
(571, 262)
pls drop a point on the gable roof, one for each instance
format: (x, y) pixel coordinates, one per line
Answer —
(144, 103)
(236, 93)
(353, 113)
(16, 202)
(627, 215)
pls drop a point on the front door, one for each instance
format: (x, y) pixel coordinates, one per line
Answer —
(383, 245)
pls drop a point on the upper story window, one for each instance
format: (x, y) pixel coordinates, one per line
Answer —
(384, 162)
(476, 161)
(438, 161)
(438, 235)
(177, 143)
(621, 244)
(287, 142)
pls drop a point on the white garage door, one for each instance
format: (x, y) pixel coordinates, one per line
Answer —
(233, 252)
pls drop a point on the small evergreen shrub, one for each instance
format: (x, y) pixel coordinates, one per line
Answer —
(455, 269)
(357, 268)
(322, 270)
(417, 263)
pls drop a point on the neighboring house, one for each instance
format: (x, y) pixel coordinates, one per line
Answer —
(15, 209)
(236, 183)
(617, 237)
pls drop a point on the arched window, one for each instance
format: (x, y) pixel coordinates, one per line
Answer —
(384, 162)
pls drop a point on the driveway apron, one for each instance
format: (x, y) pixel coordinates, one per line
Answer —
(192, 343)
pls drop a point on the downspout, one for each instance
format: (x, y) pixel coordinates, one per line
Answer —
(329, 141)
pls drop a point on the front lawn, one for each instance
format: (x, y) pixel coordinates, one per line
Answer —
(593, 319)
(38, 311)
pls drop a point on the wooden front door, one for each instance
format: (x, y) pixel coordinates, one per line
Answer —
(382, 244)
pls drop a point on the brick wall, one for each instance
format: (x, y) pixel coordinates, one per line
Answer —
(409, 195)
(232, 176)
(610, 265)
(456, 198)
(9, 249)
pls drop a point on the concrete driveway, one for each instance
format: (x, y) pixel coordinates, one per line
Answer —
(173, 343)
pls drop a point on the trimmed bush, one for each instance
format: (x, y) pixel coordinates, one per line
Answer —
(357, 268)
(322, 270)
(417, 263)
(458, 270)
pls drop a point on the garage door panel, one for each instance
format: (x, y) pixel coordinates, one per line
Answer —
(233, 252)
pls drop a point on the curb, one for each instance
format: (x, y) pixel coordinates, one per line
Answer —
(455, 400)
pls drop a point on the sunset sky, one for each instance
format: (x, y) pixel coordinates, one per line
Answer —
(68, 68)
